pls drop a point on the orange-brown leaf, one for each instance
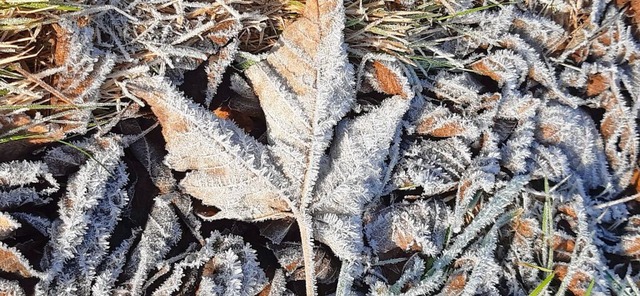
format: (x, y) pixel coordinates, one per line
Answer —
(13, 262)
(388, 81)
(597, 84)
(242, 120)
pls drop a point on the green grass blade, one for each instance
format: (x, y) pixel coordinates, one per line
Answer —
(86, 153)
(8, 74)
(543, 285)
(40, 5)
(590, 288)
(526, 264)
(21, 137)
(16, 23)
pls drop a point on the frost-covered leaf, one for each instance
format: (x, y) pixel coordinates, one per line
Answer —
(83, 73)
(7, 225)
(276, 230)
(478, 179)
(246, 102)
(503, 66)
(12, 261)
(412, 272)
(458, 88)
(618, 128)
(41, 224)
(88, 213)
(386, 77)
(305, 87)
(354, 175)
(439, 122)
(291, 259)
(540, 91)
(16, 175)
(223, 36)
(420, 226)
(167, 37)
(160, 234)
(485, 246)
(541, 31)
(578, 139)
(516, 152)
(21, 196)
(149, 154)
(227, 265)
(437, 166)
(10, 288)
(113, 265)
(20, 173)
(277, 286)
(229, 170)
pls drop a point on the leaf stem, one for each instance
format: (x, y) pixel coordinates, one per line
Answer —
(306, 238)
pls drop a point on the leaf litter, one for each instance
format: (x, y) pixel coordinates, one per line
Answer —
(319, 147)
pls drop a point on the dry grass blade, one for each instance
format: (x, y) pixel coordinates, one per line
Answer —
(409, 32)
(28, 42)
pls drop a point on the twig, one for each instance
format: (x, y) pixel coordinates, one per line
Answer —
(617, 201)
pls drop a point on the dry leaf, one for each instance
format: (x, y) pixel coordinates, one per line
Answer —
(243, 121)
(12, 261)
(439, 122)
(7, 225)
(225, 160)
(10, 288)
(579, 282)
(416, 227)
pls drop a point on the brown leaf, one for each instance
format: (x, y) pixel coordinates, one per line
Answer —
(209, 268)
(442, 123)
(415, 227)
(579, 282)
(290, 258)
(485, 69)
(276, 286)
(525, 229)
(597, 84)
(633, 13)
(443, 130)
(455, 283)
(307, 73)
(223, 36)
(61, 47)
(635, 180)
(631, 245)
(618, 128)
(563, 246)
(242, 120)
(388, 80)
(7, 225)
(12, 261)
